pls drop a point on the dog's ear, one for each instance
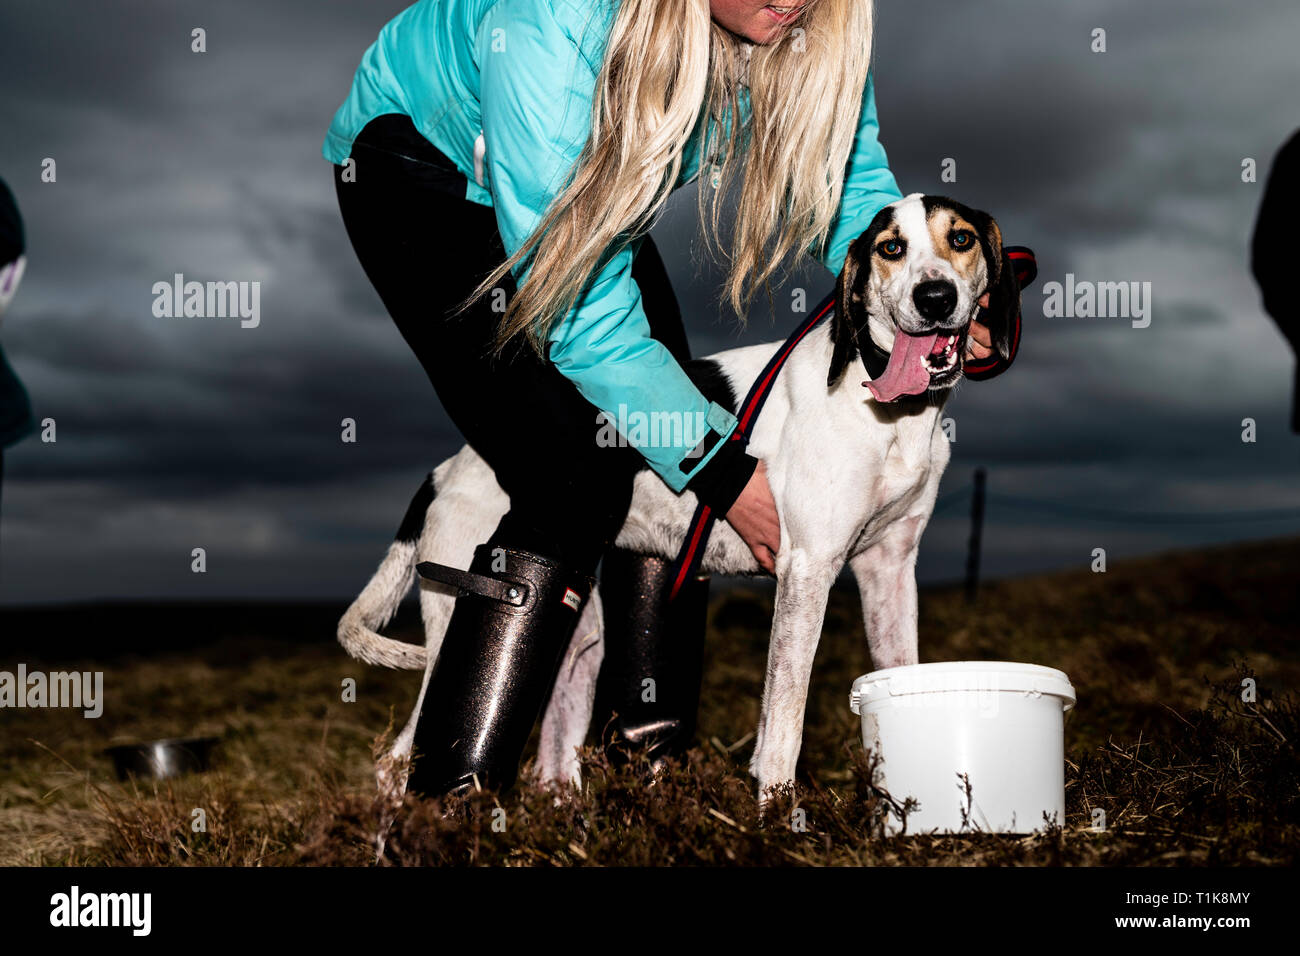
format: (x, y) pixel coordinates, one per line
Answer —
(844, 328)
(851, 311)
(1003, 289)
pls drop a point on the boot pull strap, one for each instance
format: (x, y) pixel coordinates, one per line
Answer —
(507, 592)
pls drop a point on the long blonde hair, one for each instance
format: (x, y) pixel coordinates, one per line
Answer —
(664, 60)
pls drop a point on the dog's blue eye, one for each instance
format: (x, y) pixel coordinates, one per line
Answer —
(961, 240)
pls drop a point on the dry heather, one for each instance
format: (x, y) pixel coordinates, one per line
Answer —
(1186, 772)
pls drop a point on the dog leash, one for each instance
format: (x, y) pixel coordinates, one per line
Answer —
(688, 558)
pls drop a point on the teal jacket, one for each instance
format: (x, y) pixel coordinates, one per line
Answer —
(504, 89)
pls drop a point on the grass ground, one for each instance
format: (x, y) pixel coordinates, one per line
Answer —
(1185, 770)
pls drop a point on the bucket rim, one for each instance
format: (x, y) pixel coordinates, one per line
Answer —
(1009, 677)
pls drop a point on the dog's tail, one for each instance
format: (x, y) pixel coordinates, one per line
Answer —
(378, 601)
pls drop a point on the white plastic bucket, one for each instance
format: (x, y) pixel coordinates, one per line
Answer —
(998, 723)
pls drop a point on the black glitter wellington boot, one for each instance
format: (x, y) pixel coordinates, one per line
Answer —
(504, 643)
(648, 692)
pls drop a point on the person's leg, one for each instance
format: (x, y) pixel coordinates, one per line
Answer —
(648, 691)
(424, 249)
(659, 301)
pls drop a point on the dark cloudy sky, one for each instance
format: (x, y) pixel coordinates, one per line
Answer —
(175, 434)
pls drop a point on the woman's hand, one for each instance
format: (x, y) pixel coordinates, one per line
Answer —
(754, 518)
(979, 344)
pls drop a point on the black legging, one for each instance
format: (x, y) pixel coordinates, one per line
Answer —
(424, 248)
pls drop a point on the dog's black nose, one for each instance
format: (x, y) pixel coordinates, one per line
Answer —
(935, 299)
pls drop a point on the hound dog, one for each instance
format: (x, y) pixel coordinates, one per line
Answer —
(854, 472)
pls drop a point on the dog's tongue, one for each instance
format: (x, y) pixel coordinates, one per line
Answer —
(906, 373)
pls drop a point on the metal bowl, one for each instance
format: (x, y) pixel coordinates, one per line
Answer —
(161, 759)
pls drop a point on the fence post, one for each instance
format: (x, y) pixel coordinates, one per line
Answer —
(976, 534)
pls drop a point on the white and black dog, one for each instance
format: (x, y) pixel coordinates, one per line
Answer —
(854, 472)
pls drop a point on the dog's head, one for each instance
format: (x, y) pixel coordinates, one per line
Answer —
(911, 285)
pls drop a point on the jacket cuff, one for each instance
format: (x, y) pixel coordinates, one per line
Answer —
(723, 477)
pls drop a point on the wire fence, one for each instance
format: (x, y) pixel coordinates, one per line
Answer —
(959, 499)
